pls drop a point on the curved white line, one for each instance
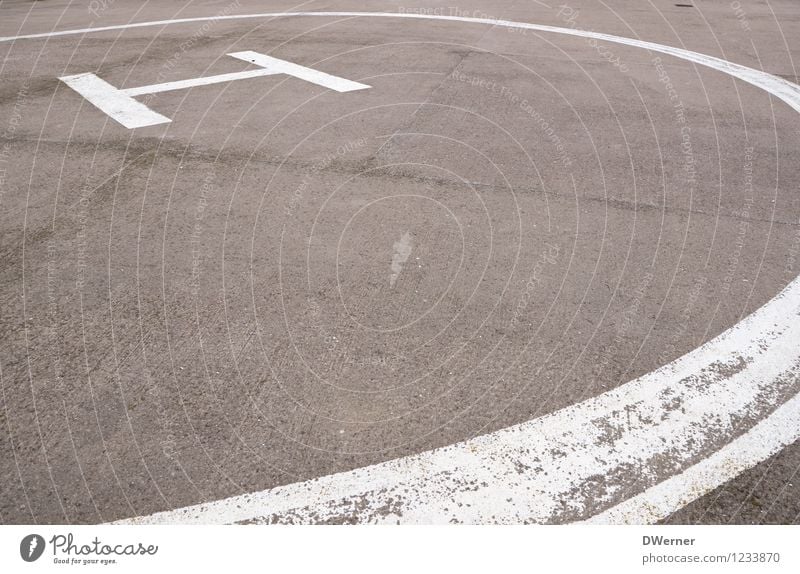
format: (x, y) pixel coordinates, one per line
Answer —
(786, 91)
(587, 457)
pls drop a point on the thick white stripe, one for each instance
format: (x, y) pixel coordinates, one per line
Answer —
(587, 457)
(116, 103)
(301, 72)
(778, 430)
(120, 105)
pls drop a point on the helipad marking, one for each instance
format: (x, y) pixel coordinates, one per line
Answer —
(577, 461)
(788, 92)
(587, 457)
(120, 105)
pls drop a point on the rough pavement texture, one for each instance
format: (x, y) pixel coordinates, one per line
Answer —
(287, 282)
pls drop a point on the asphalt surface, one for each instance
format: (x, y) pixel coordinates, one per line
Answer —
(287, 282)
